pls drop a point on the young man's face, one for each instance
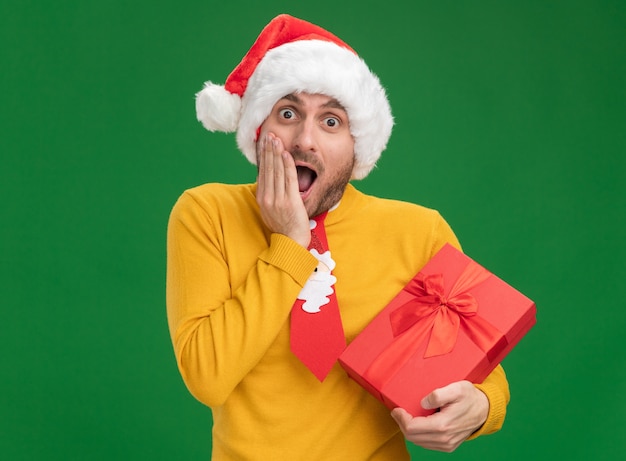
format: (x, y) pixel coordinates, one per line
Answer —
(314, 128)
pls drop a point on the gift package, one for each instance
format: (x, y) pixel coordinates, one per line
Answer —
(453, 321)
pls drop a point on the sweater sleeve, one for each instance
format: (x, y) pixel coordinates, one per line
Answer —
(220, 332)
(496, 388)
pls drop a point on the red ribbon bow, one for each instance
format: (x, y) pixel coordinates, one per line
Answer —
(431, 312)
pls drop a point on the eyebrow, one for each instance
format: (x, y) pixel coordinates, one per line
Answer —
(332, 103)
(293, 98)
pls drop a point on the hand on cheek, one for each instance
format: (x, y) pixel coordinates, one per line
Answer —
(278, 197)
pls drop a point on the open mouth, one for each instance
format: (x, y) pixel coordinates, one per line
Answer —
(306, 178)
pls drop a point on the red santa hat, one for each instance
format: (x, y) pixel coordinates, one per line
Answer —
(291, 56)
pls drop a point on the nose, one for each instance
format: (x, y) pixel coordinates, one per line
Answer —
(304, 139)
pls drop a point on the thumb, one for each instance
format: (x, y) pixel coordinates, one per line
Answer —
(432, 401)
(443, 396)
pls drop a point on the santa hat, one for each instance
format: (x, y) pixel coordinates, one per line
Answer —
(291, 56)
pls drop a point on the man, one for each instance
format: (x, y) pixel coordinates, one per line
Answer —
(312, 116)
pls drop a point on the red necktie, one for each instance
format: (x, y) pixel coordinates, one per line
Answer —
(317, 336)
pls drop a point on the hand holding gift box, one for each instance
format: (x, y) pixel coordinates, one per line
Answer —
(453, 321)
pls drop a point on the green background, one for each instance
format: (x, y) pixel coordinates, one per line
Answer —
(510, 120)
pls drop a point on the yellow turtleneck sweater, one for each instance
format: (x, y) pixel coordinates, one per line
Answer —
(230, 287)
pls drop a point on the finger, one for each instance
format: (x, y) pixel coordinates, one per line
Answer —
(441, 397)
(261, 167)
(401, 416)
(415, 426)
(268, 170)
(278, 168)
(426, 431)
(291, 175)
(431, 401)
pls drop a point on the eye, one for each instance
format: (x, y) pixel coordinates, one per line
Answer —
(287, 114)
(331, 122)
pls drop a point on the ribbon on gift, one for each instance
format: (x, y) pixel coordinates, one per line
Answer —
(431, 315)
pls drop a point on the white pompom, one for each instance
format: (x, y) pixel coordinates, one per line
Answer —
(217, 109)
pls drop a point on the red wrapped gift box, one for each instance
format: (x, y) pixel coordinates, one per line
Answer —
(453, 321)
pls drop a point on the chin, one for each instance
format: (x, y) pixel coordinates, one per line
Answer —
(312, 209)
